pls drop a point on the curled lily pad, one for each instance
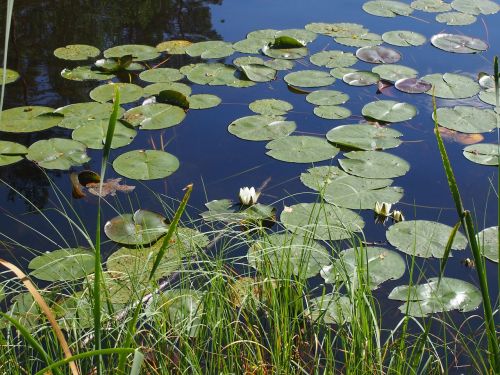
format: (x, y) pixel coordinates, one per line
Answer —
(301, 149)
(261, 128)
(378, 55)
(155, 116)
(389, 111)
(58, 153)
(333, 59)
(423, 238)
(375, 264)
(394, 72)
(467, 119)
(10, 75)
(140, 228)
(336, 29)
(302, 35)
(173, 97)
(128, 92)
(138, 51)
(286, 41)
(321, 221)
(361, 39)
(174, 47)
(258, 73)
(327, 97)
(361, 78)
(146, 164)
(85, 73)
(330, 308)
(475, 7)
(94, 134)
(451, 86)
(365, 137)
(270, 107)
(285, 255)
(309, 78)
(403, 38)
(431, 6)
(76, 52)
(482, 153)
(332, 112)
(161, 75)
(456, 18)
(488, 241)
(285, 53)
(203, 101)
(79, 114)
(374, 164)
(211, 49)
(11, 152)
(437, 296)
(156, 88)
(29, 119)
(387, 8)
(63, 264)
(412, 85)
(457, 43)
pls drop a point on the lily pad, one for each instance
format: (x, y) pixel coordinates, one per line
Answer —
(378, 55)
(146, 164)
(488, 240)
(261, 128)
(332, 112)
(336, 29)
(285, 53)
(389, 111)
(63, 264)
(250, 45)
(412, 85)
(482, 153)
(475, 7)
(174, 47)
(270, 107)
(258, 73)
(224, 210)
(321, 221)
(451, 86)
(376, 264)
(309, 78)
(161, 75)
(317, 178)
(76, 52)
(128, 92)
(437, 296)
(246, 60)
(334, 59)
(301, 149)
(29, 119)
(327, 97)
(117, 64)
(203, 101)
(361, 78)
(364, 137)
(79, 114)
(11, 152)
(339, 73)
(85, 73)
(430, 6)
(156, 88)
(374, 164)
(10, 75)
(211, 49)
(488, 97)
(403, 38)
(330, 308)
(155, 116)
(58, 153)
(394, 72)
(423, 238)
(93, 135)
(303, 35)
(387, 8)
(457, 43)
(361, 39)
(215, 74)
(279, 64)
(284, 255)
(138, 51)
(467, 119)
(456, 18)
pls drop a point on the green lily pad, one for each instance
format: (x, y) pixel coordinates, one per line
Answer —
(203, 101)
(336, 29)
(387, 8)
(327, 97)
(482, 153)
(79, 114)
(332, 112)
(174, 98)
(138, 51)
(467, 119)
(224, 210)
(456, 18)
(155, 116)
(285, 53)
(117, 64)
(403, 38)
(488, 240)
(29, 119)
(330, 308)
(258, 73)
(174, 47)
(58, 153)
(361, 78)
(247, 60)
(393, 72)
(76, 52)
(321, 221)
(63, 264)
(145, 164)
(279, 64)
(93, 135)
(268, 34)
(488, 97)
(361, 39)
(376, 264)
(128, 92)
(475, 7)
(10, 75)
(301, 149)
(309, 78)
(156, 88)
(423, 238)
(364, 137)
(283, 255)
(374, 164)
(451, 86)
(215, 74)
(270, 107)
(317, 178)
(85, 73)
(431, 6)
(140, 228)
(302, 35)
(378, 55)
(286, 41)
(250, 45)
(457, 43)
(212, 49)
(437, 296)
(11, 152)
(261, 128)
(333, 59)
(161, 75)
(389, 111)
(412, 85)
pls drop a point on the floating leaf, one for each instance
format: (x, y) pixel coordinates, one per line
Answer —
(261, 128)
(423, 238)
(412, 85)
(301, 149)
(58, 153)
(362, 39)
(173, 97)
(76, 52)
(250, 45)
(63, 264)
(118, 64)
(467, 119)
(161, 75)
(279, 64)
(451, 86)
(330, 308)
(392, 73)
(258, 73)
(387, 8)
(336, 29)
(333, 59)
(270, 107)
(285, 41)
(437, 295)
(365, 137)
(146, 164)
(403, 38)
(110, 187)
(389, 111)
(488, 241)
(283, 255)
(156, 88)
(215, 74)
(85, 73)
(79, 114)
(489, 97)
(28, 119)
(475, 7)
(327, 97)
(482, 153)
(285, 53)
(10, 75)
(339, 73)
(224, 210)
(93, 135)
(155, 116)
(374, 164)
(301, 35)
(332, 112)
(174, 47)
(378, 55)
(212, 49)
(138, 51)
(309, 78)
(247, 60)
(317, 178)
(431, 6)
(128, 92)
(321, 221)
(11, 152)
(456, 18)
(361, 78)
(203, 101)
(458, 43)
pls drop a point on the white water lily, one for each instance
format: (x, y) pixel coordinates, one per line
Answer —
(383, 208)
(248, 196)
(397, 216)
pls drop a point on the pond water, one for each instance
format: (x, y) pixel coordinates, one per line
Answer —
(217, 162)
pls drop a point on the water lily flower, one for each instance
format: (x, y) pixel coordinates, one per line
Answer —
(383, 209)
(248, 196)
(397, 216)
(151, 100)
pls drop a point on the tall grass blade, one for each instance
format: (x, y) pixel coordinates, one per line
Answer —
(137, 363)
(447, 250)
(8, 19)
(497, 109)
